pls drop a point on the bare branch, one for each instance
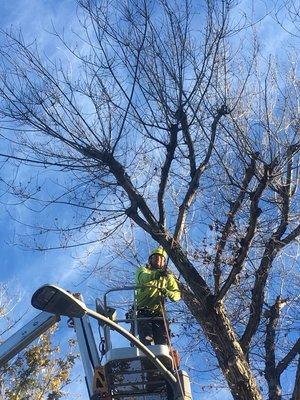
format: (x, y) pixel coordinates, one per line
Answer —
(296, 391)
(272, 248)
(236, 205)
(271, 375)
(171, 147)
(288, 358)
(135, 127)
(254, 214)
(123, 179)
(182, 118)
(290, 237)
(258, 294)
(194, 183)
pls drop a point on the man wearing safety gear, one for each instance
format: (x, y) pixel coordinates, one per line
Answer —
(155, 283)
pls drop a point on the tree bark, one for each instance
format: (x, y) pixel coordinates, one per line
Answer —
(271, 373)
(221, 335)
(296, 392)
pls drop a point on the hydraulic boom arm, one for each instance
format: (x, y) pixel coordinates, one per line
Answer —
(24, 336)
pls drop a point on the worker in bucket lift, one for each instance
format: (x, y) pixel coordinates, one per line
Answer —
(155, 283)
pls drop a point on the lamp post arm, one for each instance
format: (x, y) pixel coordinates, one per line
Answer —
(168, 375)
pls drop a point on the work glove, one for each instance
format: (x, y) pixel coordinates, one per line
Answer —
(163, 292)
(158, 274)
(162, 272)
(165, 272)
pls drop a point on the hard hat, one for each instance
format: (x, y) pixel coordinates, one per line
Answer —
(159, 250)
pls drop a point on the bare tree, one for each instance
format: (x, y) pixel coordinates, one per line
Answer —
(175, 122)
(287, 15)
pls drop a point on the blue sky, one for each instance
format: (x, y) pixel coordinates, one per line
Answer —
(25, 270)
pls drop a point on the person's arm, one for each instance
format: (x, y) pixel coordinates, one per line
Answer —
(173, 291)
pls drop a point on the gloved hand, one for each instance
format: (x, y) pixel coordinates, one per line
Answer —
(162, 272)
(158, 274)
(163, 292)
(165, 272)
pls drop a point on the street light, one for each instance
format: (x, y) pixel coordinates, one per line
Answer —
(56, 300)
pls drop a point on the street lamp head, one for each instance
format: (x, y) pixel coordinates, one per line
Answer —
(56, 300)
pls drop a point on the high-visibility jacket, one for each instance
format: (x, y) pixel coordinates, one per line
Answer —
(155, 286)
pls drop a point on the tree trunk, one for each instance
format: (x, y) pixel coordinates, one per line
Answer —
(214, 321)
(232, 360)
(274, 389)
(296, 392)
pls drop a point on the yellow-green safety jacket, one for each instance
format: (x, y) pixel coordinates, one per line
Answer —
(156, 286)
